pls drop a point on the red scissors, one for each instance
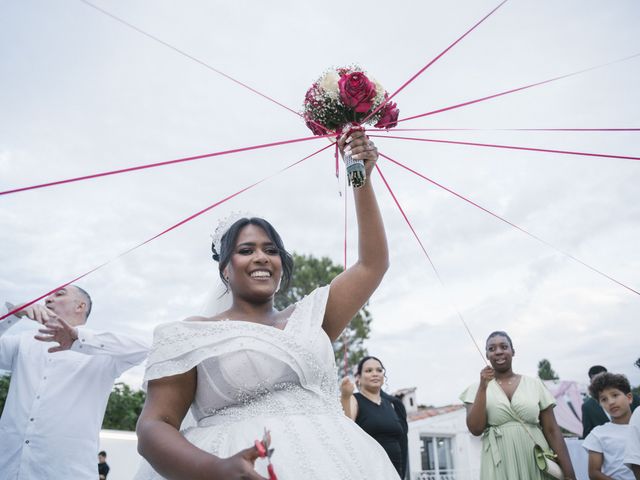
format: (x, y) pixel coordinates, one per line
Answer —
(265, 452)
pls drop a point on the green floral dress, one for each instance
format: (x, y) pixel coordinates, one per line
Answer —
(507, 449)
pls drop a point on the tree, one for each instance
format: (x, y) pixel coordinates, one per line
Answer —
(4, 390)
(123, 408)
(311, 272)
(545, 372)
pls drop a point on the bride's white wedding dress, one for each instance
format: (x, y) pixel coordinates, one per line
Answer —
(252, 377)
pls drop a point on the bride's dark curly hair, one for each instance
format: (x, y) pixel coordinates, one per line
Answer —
(228, 244)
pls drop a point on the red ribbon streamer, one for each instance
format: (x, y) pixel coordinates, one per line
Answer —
(197, 60)
(165, 231)
(495, 215)
(402, 87)
(382, 130)
(160, 164)
(346, 340)
(406, 219)
(513, 90)
(185, 54)
(346, 187)
(510, 147)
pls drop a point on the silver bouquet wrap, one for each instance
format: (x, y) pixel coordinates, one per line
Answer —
(356, 174)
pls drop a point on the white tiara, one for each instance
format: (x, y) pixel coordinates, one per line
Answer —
(223, 227)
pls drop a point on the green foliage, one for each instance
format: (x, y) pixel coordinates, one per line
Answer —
(545, 372)
(123, 408)
(311, 272)
(4, 390)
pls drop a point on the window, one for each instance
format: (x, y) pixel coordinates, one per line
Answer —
(437, 454)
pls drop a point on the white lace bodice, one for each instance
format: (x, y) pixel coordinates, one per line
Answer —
(245, 368)
(252, 377)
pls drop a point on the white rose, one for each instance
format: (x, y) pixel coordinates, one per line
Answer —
(379, 92)
(329, 83)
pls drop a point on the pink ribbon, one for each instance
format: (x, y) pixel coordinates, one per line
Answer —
(159, 164)
(165, 231)
(187, 55)
(424, 250)
(535, 237)
(381, 130)
(510, 147)
(402, 87)
(513, 90)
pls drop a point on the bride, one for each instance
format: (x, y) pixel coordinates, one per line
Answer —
(252, 368)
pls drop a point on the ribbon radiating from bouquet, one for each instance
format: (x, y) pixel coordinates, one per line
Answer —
(340, 101)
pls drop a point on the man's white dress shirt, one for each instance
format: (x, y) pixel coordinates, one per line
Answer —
(51, 422)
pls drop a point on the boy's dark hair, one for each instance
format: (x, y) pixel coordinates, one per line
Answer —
(102, 453)
(606, 380)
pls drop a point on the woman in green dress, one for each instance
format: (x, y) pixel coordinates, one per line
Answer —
(510, 411)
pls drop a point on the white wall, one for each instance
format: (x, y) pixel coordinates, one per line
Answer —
(466, 447)
(122, 453)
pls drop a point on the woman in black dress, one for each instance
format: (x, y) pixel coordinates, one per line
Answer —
(379, 414)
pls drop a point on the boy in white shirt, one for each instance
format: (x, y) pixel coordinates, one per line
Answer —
(606, 443)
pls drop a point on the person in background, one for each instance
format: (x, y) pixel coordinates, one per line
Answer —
(592, 412)
(606, 442)
(57, 397)
(379, 414)
(513, 413)
(103, 466)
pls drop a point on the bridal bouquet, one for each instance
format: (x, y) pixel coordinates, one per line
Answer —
(342, 99)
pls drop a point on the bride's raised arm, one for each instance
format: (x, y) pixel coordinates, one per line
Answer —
(351, 289)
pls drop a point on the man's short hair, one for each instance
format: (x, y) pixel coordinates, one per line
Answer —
(87, 299)
(102, 453)
(595, 370)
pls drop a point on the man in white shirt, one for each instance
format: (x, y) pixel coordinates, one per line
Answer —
(53, 413)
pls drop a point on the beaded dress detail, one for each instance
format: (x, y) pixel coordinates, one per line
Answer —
(251, 377)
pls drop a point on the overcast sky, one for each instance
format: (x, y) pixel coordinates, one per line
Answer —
(81, 93)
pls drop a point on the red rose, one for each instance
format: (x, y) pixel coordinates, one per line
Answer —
(357, 91)
(389, 116)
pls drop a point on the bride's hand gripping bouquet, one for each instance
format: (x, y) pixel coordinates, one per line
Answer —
(342, 100)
